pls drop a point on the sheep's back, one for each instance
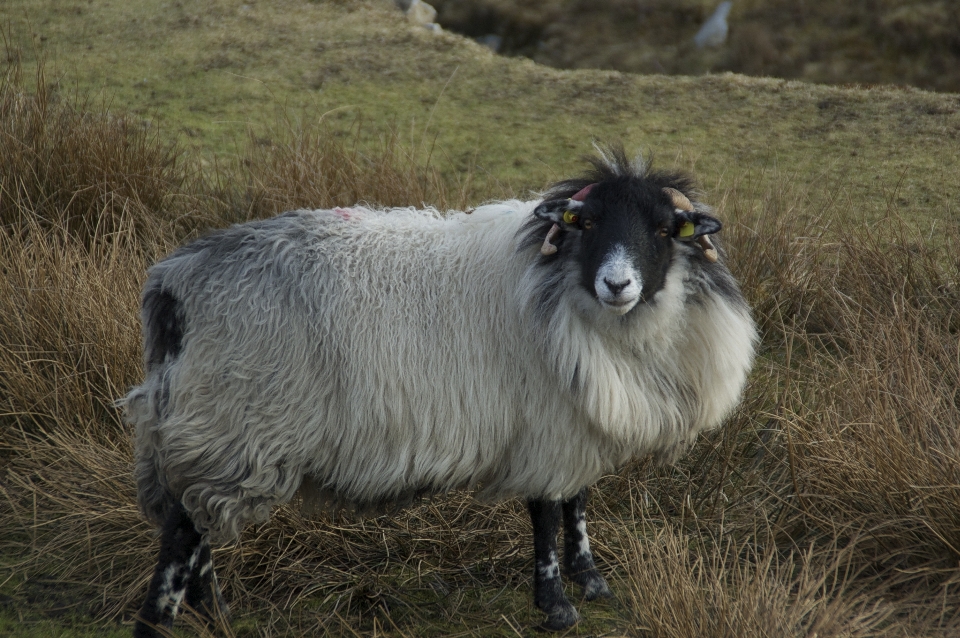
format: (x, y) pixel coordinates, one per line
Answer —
(384, 355)
(380, 355)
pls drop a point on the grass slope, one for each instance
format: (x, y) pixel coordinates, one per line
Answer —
(209, 74)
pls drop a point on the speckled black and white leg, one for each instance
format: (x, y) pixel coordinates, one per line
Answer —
(203, 590)
(547, 587)
(577, 557)
(182, 549)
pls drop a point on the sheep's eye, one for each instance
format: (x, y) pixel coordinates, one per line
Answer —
(664, 231)
(587, 224)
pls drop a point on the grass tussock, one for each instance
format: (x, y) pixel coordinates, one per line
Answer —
(864, 360)
(68, 318)
(828, 506)
(80, 168)
(678, 585)
(302, 166)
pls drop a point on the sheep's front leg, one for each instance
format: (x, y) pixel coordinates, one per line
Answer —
(181, 552)
(547, 588)
(577, 557)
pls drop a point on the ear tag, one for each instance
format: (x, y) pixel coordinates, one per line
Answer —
(569, 217)
(686, 230)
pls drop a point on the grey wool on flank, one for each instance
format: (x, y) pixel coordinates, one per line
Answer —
(379, 355)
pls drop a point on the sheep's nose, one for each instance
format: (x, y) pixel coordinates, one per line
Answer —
(616, 287)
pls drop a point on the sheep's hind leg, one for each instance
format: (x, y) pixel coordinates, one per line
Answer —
(181, 547)
(577, 557)
(203, 591)
(547, 588)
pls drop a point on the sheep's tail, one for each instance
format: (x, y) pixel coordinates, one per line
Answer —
(141, 411)
(144, 405)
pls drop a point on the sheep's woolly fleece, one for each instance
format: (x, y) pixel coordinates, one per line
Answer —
(379, 355)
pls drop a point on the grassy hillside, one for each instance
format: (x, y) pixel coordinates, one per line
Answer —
(829, 504)
(208, 75)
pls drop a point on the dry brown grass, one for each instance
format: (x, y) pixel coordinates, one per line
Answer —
(303, 166)
(828, 506)
(76, 167)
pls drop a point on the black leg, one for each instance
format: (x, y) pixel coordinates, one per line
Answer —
(547, 588)
(181, 546)
(203, 592)
(577, 557)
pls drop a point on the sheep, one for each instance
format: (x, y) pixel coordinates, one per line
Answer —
(369, 357)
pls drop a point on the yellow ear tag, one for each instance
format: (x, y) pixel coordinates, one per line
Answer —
(686, 230)
(569, 217)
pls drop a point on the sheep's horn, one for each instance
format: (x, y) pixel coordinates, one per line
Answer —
(679, 200)
(547, 248)
(708, 250)
(582, 193)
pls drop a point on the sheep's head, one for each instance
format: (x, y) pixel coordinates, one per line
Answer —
(623, 232)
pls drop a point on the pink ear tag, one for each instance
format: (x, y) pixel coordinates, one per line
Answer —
(582, 193)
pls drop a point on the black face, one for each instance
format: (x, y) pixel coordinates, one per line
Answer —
(624, 232)
(618, 227)
(625, 225)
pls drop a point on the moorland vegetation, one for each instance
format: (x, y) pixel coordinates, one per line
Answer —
(829, 505)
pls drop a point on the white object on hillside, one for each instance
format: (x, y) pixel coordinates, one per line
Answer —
(421, 13)
(492, 41)
(713, 33)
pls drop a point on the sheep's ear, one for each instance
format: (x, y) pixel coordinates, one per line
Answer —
(563, 212)
(691, 225)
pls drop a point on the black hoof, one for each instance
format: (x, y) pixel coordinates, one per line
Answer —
(594, 586)
(143, 629)
(559, 618)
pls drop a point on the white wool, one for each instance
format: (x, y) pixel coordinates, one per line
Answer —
(388, 353)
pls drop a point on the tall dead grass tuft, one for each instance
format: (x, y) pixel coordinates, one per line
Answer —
(307, 166)
(874, 408)
(69, 329)
(82, 168)
(70, 520)
(861, 323)
(862, 378)
(680, 585)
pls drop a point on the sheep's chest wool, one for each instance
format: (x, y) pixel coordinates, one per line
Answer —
(372, 356)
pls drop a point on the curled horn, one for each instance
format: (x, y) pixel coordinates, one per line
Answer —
(582, 193)
(708, 249)
(547, 248)
(679, 200)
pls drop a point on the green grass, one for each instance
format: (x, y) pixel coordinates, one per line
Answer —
(216, 73)
(13, 625)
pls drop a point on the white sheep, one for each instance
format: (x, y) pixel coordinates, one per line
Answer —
(525, 349)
